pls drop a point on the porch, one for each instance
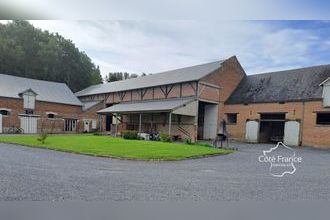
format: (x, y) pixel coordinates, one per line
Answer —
(176, 117)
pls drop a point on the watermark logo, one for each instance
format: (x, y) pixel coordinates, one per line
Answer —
(281, 158)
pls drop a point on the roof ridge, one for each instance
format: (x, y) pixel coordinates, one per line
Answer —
(42, 80)
(294, 69)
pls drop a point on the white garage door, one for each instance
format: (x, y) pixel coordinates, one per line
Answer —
(291, 133)
(29, 124)
(0, 123)
(210, 121)
(252, 131)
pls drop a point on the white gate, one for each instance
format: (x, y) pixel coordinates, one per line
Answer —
(210, 121)
(291, 133)
(29, 124)
(0, 123)
(252, 131)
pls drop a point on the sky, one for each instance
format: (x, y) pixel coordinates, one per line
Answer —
(152, 46)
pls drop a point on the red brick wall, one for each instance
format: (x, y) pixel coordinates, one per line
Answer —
(55, 125)
(312, 134)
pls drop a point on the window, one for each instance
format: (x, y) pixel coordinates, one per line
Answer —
(70, 124)
(323, 118)
(51, 115)
(4, 112)
(93, 124)
(231, 118)
(28, 111)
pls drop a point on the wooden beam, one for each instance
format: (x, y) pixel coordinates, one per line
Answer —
(180, 90)
(169, 123)
(140, 123)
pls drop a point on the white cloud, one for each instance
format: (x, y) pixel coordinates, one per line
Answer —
(153, 46)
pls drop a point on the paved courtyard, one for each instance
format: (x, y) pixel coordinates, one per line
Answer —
(39, 174)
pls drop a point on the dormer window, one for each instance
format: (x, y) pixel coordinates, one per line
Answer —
(29, 97)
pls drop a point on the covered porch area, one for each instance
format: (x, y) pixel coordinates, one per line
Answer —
(176, 117)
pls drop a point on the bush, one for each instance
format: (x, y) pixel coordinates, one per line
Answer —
(97, 133)
(131, 135)
(188, 141)
(42, 137)
(165, 137)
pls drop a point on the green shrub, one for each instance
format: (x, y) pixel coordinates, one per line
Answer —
(188, 141)
(131, 135)
(42, 137)
(97, 133)
(165, 137)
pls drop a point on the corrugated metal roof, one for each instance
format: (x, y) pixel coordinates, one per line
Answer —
(11, 86)
(88, 105)
(147, 106)
(289, 85)
(187, 74)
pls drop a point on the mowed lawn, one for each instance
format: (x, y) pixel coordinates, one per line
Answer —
(117, 147)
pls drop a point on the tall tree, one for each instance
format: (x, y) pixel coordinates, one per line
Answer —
(116, 76)
(30, 52)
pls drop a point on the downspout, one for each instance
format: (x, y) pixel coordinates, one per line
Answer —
(302, 123)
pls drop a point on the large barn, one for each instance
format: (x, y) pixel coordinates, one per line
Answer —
(200, 101)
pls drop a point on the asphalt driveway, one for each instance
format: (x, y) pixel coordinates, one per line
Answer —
(40, 174)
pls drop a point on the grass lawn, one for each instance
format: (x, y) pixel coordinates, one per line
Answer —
(117, 147)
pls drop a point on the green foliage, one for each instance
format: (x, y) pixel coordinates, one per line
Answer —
(42, 137)
(116, 76)
(117, 147)
(30, 52)
(165, 137)
(188, 141)
(131, 135)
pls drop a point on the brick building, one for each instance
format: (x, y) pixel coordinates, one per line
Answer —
(184, 102)
(31, 106)
(201, 101)
(197, 102)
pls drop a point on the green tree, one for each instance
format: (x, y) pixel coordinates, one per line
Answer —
(116, 76)
(30, 52)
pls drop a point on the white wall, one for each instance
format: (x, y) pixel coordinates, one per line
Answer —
(210, 121)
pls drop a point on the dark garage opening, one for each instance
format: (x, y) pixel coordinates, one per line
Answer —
(271, 127)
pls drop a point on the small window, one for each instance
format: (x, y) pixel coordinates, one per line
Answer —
(231, 118)
(4, 112)
(28, 111)
(51, 115)
(323, 118)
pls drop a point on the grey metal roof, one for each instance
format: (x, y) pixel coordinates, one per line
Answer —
(187, 74)
(89, 105)
(289, 85)
(147, 106)
(11, 86)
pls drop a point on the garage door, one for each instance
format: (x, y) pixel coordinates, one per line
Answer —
(291, 133)
(0, 123)
(29, 124)
(210, 121)
(252, 131)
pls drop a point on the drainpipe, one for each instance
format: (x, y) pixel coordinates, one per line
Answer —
(302, 123)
